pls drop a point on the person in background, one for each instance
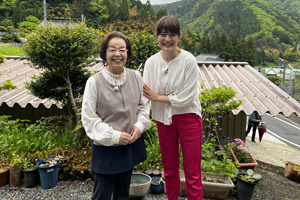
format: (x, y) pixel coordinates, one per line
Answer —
(171, 83)
(114, 115)
(253, 122)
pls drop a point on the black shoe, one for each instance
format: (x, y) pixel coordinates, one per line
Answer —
(253, 140)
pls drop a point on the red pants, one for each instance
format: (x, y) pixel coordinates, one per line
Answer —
(188, 129)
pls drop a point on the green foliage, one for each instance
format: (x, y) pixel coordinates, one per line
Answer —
(1, 58)
(50, 85)
(59, 50)
(251, 176)
(7, 38)
(215, 161)
(153, 149)
(11, 51)
(216, 102)
(275, 79)
(15, 159)
(30, 23)
(8, 85)
(3, 29)
(240, 150)
(143, 46)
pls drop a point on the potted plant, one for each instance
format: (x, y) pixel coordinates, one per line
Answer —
(156, 184)
(30, 172)
(241, 155)
(4, 174)
(246, 182)
(139, 185)
(48, 171)
(15, 170)
(292, 171)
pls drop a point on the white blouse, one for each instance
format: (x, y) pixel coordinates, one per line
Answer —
(99, 131)
(179, 80)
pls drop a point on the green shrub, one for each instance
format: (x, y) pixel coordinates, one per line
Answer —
(3, 29)
(7, 38)
(16, 38)
(2, 58)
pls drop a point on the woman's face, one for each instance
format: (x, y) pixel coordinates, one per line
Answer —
(167, 41)
(116, 53)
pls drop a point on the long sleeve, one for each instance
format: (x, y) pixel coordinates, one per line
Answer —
(143, 121)
(187, 95)
(95, 129)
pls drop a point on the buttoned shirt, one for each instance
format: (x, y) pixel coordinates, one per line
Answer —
(178, 79)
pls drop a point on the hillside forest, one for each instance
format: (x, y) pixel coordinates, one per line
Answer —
(254, 31)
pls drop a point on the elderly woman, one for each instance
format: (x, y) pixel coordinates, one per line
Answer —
(171, 78)
(114, 115)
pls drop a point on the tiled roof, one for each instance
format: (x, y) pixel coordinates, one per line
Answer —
(255, 90)
(16, 69)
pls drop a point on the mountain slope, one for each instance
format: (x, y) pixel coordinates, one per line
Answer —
(260, 18)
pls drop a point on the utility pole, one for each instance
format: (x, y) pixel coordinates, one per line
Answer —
(45, 14)
(283, 77)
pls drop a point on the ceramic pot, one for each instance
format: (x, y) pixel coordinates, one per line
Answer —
(290, 172)
(139, 186)
(4, 175)
(155, 188)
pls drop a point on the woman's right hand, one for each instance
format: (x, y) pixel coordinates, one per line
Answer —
(124, 138)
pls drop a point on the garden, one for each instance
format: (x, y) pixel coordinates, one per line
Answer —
(56, 143)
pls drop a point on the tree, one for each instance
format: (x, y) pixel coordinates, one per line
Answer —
(161, 13)
(123, 12)
(62, 49)
(99, 12)
(30, 23)
(143, 46)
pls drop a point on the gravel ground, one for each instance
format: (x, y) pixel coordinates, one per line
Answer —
(273, 186)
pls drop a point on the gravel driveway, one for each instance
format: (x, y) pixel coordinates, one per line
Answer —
(273, 186)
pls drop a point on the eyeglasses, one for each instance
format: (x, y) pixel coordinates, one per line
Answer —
(114, 51)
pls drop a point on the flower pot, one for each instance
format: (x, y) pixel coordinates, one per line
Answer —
(30, 178)
(290, 173)
(15, 175)
(216, 186)
(155, 188)
(244, 189)
(164, 186)
(245, 166)
(81, 176)
(48, 175)
(66, 173)
(156, 173)
(149, 172)
(139, 186)
(4, 175)
(74, 174)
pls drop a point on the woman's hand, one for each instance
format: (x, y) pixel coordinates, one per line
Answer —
(135, 134)
(124, 138)
(147, 92)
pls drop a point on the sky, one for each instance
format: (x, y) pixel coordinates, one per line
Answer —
(153, 2)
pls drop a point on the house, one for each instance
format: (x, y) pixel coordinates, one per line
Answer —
(254, 89)
(209, 57)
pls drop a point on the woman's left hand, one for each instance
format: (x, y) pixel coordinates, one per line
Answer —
(147, 92)
(135, 134)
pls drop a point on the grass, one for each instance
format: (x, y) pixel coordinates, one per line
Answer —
(11, 51)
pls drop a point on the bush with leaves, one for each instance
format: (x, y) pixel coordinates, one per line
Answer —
(216, 102)
(144, 45)
(59, 50)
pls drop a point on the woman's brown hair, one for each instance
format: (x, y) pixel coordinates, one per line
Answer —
(110, 36)
(168, 24)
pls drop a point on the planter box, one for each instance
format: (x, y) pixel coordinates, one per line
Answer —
(245, 166)
(213, 189)
(210, 189)
(290, 173)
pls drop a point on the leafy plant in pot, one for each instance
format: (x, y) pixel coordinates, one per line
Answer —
(156, 184)
(15, 170)
(246, 183)
(4, 174)
(30, 173)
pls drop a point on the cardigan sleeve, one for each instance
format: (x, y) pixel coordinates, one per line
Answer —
(94, 127)
(187, 95)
